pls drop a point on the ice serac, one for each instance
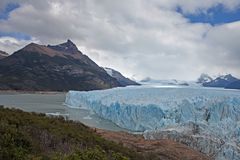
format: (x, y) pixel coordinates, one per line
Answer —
(205, 119)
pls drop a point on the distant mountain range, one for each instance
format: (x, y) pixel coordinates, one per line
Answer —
(120, 78)
(53, 68)
(172, 82)
(223, 81)
(63, 67)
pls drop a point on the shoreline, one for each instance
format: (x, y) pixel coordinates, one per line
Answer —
(30, 92)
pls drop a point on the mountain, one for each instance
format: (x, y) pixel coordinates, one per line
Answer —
(234, 85)
(204, 78)
(3, 54)
(119, 77)
(221, 81)
(68, 47)
(146, 79)
(169, 82)
(52, 68)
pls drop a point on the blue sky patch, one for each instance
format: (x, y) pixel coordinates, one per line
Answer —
(17, 35)
(4, 14)
(214, 16)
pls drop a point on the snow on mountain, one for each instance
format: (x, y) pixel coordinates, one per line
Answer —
(205, 119)
(221, 81)
(119, 77)
(171, 82)
(204, 78)
(109, 71)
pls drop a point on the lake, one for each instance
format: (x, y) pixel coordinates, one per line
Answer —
(54, 103)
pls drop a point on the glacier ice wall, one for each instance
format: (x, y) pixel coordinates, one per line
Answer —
(141, 109)
(199, 117)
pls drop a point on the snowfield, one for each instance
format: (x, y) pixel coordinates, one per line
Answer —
(205, 119)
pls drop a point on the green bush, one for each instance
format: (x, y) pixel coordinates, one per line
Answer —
(35, 136)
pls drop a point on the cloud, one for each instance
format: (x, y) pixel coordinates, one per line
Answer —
(4, 12)
(10, 44)
(194, 7)
(137, 37)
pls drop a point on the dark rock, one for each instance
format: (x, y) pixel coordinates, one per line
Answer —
(234, 85)
(3, 54)
(67, 47)
(41, 68)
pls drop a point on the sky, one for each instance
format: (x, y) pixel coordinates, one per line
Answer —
(161, 39)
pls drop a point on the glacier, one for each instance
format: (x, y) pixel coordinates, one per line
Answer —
(206, 119)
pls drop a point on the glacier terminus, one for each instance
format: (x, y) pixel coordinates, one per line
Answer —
(206, 119)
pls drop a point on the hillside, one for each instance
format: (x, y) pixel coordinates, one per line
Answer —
(52, 68)
(234, 85)
(3, 54)
(225, 81)
(34, 136)
(163, 149)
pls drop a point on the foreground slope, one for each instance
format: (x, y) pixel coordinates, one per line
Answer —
(55, 68)
(163, 149)
(35, 136)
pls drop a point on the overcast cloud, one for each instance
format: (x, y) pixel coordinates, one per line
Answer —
(139, 38)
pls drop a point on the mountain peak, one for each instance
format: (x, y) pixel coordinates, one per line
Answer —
(227, 77)
(31, 46)
(70, 42)
(68, 47)
(221, 81)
